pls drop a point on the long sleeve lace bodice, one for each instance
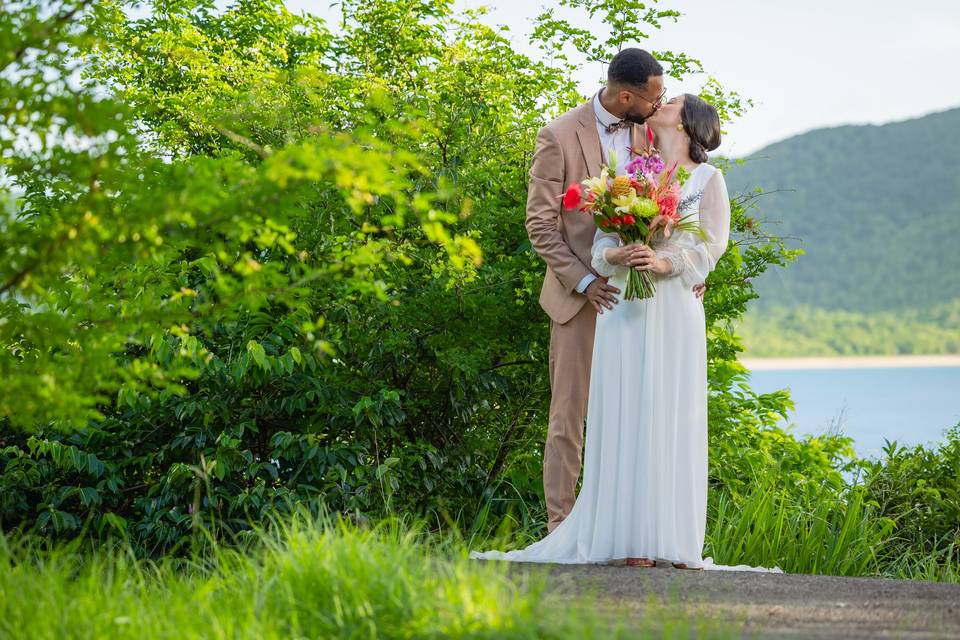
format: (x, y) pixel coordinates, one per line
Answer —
(690, 257)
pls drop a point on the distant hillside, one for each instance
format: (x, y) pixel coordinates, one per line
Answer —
(877, 209)
(809, 331)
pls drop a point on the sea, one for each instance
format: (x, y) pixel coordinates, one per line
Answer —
(907, 404)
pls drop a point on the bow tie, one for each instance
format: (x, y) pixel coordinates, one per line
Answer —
(622, 124)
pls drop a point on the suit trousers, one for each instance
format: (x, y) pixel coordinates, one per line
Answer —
(571, 354)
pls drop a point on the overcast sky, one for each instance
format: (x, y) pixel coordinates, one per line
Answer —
(806, 63)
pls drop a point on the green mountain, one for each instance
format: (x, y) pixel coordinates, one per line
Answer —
(876, 208)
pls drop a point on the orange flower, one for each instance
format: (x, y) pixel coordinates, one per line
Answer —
(621, 186)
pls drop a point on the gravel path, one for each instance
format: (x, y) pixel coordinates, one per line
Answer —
(764, 605)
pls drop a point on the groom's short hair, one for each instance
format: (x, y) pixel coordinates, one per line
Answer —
(633, 67)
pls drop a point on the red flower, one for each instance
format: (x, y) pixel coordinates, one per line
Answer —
(649, 136)
(629, 219)
(572, 197)
(668, 200)
(615, 221)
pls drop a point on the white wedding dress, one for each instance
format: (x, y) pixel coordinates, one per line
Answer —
(644, 489)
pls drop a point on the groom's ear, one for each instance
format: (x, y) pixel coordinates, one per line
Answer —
(615, 91)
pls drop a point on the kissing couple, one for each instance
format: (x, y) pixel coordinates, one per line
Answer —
(634, 369)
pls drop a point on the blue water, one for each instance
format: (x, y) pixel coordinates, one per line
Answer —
(910, 405)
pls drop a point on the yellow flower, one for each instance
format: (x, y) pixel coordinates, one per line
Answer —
(626, 202)
(598, 186)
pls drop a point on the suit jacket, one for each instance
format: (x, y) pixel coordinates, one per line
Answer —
(567, 151)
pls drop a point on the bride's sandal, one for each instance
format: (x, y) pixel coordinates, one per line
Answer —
(683, 565)
(641, 562)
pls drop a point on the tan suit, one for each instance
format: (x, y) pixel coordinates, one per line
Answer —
(568, 150)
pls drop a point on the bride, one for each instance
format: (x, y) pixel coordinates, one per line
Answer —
(643, 497)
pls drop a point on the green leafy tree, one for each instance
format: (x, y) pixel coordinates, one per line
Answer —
(129, 232)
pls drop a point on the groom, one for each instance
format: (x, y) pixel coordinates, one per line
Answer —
(571, 149)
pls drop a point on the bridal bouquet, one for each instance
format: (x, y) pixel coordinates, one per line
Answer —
(629, 205)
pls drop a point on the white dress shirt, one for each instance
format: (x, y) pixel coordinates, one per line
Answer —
(619, 141)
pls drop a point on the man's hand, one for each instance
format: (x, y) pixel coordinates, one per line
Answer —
(698, 290)
(600, 294)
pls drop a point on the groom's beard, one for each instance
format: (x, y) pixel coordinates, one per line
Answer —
(635, 118)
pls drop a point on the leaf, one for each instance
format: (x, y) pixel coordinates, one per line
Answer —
(385, 466)
(89, 496)
(258, 354)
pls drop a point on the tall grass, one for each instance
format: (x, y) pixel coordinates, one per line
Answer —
(826, 530)
(304, 577)
(938, 565)
(802, 532)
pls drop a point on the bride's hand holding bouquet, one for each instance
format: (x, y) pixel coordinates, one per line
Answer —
(638, 256)
(635, 206)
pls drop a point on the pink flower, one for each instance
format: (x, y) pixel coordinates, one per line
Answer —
(572, 197)
(637, 163)
(668, 200)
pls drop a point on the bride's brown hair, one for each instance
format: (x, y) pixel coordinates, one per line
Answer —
(702, 123)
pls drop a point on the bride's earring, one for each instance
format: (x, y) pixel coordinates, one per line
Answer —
(680, 126)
